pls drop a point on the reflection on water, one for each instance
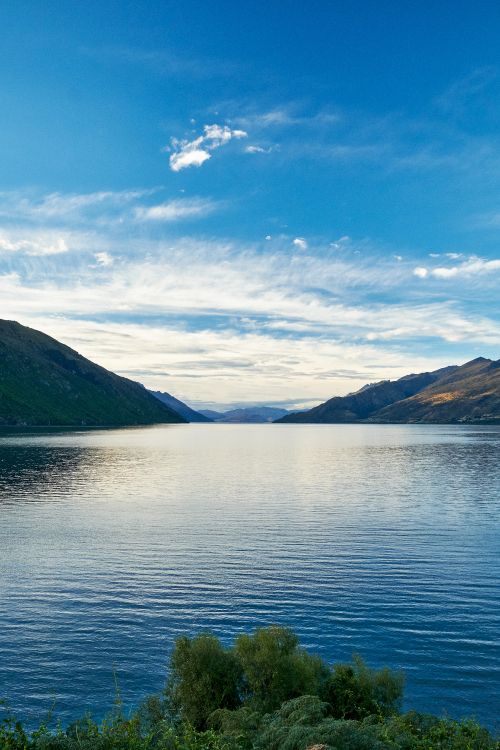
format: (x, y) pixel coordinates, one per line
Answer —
(377, 539)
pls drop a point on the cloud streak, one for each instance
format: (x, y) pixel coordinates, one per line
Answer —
(473, 266)
(191, 315)
(176, 210)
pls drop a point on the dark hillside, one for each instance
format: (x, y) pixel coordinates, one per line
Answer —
(44, 382)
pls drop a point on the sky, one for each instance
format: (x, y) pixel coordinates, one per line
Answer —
(253, 202)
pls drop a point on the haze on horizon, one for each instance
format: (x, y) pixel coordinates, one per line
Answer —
(253, 202)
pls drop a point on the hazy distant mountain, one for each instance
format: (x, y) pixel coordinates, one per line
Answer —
(212, 415)
(180, 407)
(249, 414)
(470, 392)
(44, 382)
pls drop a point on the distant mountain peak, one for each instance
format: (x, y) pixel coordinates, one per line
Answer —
(247, 414)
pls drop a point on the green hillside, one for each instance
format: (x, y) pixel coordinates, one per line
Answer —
(44, 382)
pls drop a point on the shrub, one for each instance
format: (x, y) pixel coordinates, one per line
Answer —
(355, 691)
(238, 728)
(276, 669)
(415, 731)
(303, 723)
(204, 677)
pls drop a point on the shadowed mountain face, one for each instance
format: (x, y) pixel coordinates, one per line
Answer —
(180, 407)
(44, 382)
(470, 392)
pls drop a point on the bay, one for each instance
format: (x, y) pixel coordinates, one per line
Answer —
(380, 540)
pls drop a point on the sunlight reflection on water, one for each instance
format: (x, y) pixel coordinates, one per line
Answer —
(376, 539)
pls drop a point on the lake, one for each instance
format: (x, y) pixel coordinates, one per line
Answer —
(382, 540)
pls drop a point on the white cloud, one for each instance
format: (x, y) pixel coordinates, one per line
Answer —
(176, 210)
(421, 272)
(194, 153)
(470, 267)
(33, 243)
(279, 317)
(188, 157)
(473, 266)
(261, 149)
(103, 259)
(300, 242)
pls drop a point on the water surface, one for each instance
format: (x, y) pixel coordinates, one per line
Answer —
(381, 540)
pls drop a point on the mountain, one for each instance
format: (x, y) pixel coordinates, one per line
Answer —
(362, 404)
(469, 392)
(190, 415)
(249, 414)
(44, 382)
(212, 415)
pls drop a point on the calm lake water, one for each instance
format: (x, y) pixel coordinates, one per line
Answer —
(382, 540)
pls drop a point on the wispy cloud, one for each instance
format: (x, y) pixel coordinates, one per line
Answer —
(473, 266)
(57, 206)
(42, 223)
(194, 153)
(176, 210)
(104, 259)
(162, 61)
(129, 295)
(34, 242)
(457, 98)
(261, 149)
(395, 141)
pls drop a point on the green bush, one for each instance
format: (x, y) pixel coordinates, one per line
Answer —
(415, 731)
(266, 693)
(276, 669)
(238, 728)
(204, 677)
(355, 691)
(304, 722)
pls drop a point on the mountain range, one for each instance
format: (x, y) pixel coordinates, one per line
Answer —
(44, 382)
(247, 415)
(459, 393)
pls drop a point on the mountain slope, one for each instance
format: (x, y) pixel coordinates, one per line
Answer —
(45, 382)
(247, 415)
(190, 415)
(471, 393)
(212, 415)
(366, 402)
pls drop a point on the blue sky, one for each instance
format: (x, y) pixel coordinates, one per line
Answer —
(253, 202)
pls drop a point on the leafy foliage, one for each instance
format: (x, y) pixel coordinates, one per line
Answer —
(276, 669)
(204, 677)
(245, 698)
(354, 691)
